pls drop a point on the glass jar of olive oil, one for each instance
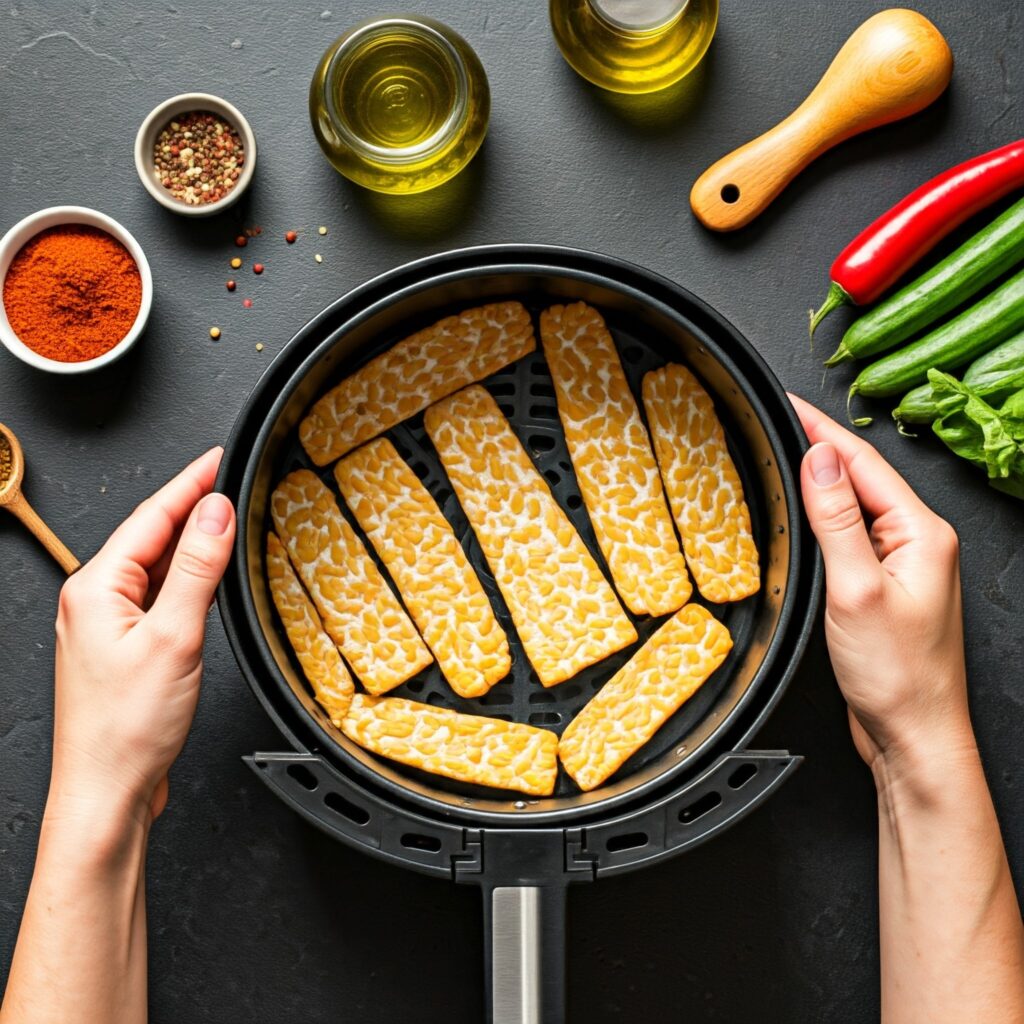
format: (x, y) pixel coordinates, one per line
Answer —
(399, 104)
(634, 46)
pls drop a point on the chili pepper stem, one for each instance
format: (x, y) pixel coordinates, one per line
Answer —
(860, 421)
(837, 296)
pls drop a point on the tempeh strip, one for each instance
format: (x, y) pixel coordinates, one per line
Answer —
(634, 704)
(470, 748)
(611, 454)
(566, 613)
(359, 611)
(702, 484)
(321, 663)
(421, 552)
(420, 369)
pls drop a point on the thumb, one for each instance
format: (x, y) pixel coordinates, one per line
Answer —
(199, 561)
(836, 519)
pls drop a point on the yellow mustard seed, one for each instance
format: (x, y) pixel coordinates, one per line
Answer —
(322, 230)
(6, 461)
(236, 263)
(259, 346)
(215, 333)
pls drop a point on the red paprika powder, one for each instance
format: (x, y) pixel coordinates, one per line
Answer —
(72, 293)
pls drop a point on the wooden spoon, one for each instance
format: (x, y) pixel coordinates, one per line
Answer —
(12, 498)
(894, 65)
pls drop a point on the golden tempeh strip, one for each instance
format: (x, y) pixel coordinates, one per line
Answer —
(470, 748)
(615, 467)
(565, 611)
(319, 658)
(359, 611)
(633, 705)
(420, 369)
(702, 484)
(418, 547)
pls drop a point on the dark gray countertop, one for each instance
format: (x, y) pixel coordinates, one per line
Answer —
(254, 915)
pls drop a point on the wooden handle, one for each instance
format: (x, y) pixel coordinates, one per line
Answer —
(28, 515)
(894, 65)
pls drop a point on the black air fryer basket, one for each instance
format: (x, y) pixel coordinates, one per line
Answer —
(695, 777)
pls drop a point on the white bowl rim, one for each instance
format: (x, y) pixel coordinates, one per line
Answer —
(165, 111)
(54, 216)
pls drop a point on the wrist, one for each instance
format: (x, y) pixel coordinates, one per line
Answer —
(101, 825)
(925, 766)
(98, 786)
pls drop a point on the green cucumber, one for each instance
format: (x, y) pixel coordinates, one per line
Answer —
(979, 261)
(995, 376)
(961, 340)
(916, 406)
(994, 373)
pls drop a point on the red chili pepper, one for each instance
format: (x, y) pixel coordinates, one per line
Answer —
(887, 248)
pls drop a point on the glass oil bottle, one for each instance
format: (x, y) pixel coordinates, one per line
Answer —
(634, 46)
(400, 104)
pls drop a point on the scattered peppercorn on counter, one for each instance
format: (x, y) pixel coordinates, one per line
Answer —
(336, 606)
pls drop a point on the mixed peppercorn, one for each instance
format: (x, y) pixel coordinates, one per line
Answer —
(198, 157)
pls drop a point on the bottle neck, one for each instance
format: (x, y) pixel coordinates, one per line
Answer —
(638, 17)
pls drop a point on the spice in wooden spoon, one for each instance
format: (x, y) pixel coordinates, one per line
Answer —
(12, 470)
(6, 461)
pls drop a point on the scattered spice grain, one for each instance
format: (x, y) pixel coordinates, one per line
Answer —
(247, 303)
(215, 333)
(259, 348)
(318, 258)
(236, 263)
(257, 268)
(322, 230)
(241, 241)
(198, 157)
(290, 236)
(231, 286)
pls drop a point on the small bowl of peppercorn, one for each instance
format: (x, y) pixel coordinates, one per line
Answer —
(76, 290)
(196, 154)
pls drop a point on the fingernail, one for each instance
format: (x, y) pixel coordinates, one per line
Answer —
(214, 514)
(824, 461)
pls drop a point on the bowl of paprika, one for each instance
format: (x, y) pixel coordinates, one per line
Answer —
(76, 291)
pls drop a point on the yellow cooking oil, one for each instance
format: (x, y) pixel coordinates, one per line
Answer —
(399, 104)
(634, 46)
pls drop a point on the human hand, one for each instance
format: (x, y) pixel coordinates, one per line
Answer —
(130, 629)
(892, 619)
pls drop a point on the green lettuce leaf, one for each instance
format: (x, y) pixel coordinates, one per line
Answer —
(990, 438)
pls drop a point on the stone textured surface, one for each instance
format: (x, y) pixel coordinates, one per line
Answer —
(254, 915)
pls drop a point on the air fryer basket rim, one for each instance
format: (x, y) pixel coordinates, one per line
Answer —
(260, 413)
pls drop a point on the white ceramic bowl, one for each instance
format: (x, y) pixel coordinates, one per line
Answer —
(12, 243)
(155, 122)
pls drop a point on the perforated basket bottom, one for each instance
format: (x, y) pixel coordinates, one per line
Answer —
(526, 395)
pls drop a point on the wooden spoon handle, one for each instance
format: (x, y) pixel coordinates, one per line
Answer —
(894, 64)
(28, 515)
